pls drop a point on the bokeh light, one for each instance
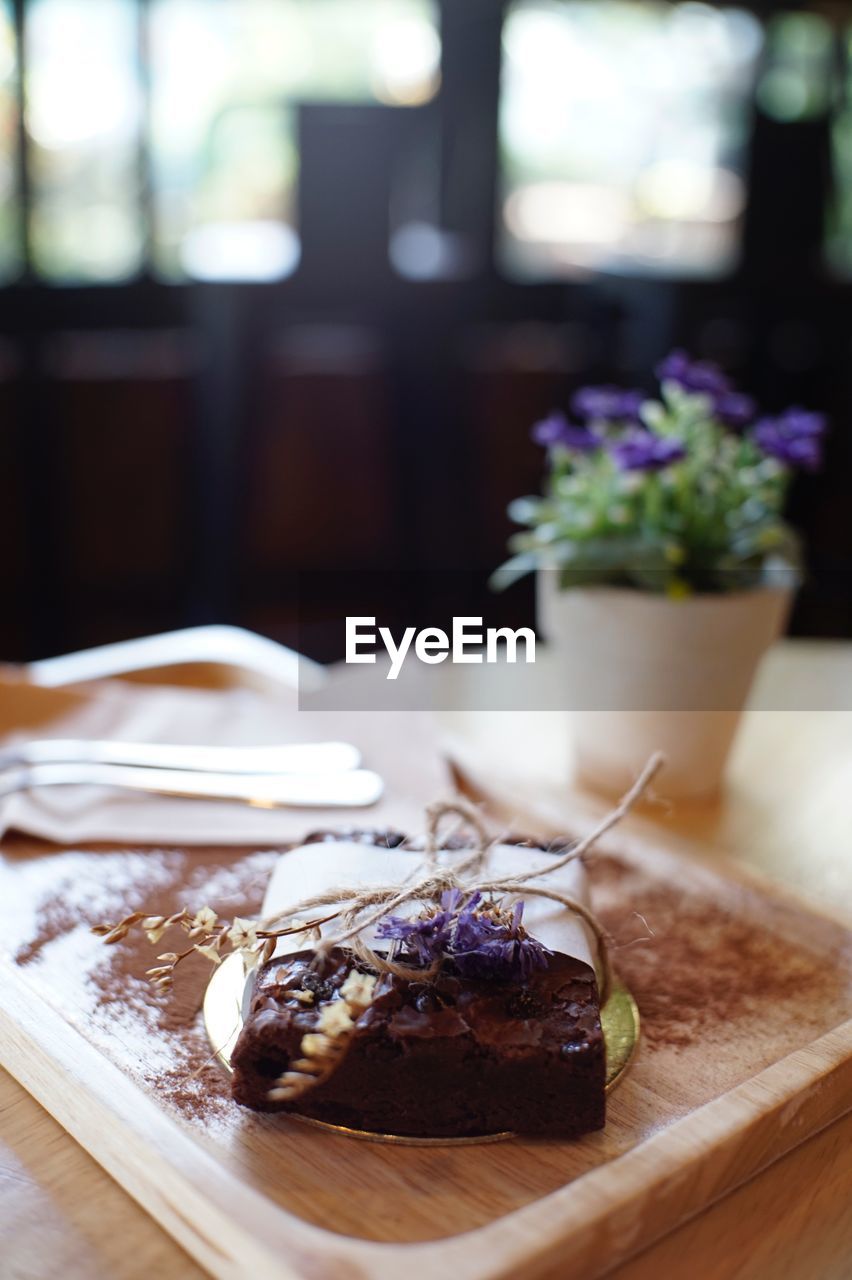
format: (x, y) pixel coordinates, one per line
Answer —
(623, 130)
(84, 113)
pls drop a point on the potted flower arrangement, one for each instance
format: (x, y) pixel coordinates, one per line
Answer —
(665, 567)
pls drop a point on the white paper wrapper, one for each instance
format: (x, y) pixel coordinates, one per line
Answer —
(319, 868)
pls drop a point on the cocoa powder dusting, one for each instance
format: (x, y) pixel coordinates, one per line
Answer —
(158, 1036)
(704, 972)
(232, 885)
(699, 968)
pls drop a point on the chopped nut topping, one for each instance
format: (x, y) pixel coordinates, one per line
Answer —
(335, 1018)
(324, 1047)
(358, 991)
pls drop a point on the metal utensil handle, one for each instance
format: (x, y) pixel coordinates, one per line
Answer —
(353, 788)
(307, 757)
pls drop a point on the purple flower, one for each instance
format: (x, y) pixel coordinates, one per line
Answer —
(451, 899)
(557, 430)
(693, 375)
(735, 409)
(794, 438)
(803, 422)
(732, 408)
(481, 941)
(425, 940)
(646, 452)
(487, 948)
(503, 958)
(472, 930)
(598, 403)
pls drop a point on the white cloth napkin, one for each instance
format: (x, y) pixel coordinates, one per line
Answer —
(402, 747)
(316, 869)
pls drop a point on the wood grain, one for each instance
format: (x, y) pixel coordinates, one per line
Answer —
(786, 1222)
(685, 1127)
(60, 1210)
(791, 1221)
(231, 1227)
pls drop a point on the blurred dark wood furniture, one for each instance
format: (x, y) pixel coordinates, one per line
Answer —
(173, 454)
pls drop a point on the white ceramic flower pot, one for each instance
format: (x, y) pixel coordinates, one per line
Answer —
(640, 672)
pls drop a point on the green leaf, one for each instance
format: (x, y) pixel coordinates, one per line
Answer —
(512, 571)
(528, 510)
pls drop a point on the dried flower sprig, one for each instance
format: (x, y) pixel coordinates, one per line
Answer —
(322, 1049)
(210, 936)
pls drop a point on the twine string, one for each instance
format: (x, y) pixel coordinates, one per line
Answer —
(621, 810)
(362, 909)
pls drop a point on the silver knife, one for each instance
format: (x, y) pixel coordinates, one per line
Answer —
(352, 788)
(291, 757)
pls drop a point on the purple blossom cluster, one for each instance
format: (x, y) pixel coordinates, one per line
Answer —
(702, 377)
(481, 940)
(643, 451)
(794, 438)
(557, 430)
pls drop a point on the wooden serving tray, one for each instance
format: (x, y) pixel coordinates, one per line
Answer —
(746, 1052)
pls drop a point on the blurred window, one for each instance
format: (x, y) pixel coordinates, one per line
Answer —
(161, 134)
(839, 239)
(83, 114)
(10, 236)
(623, 130)
(224, 152)
(796, 81)
(213, 130)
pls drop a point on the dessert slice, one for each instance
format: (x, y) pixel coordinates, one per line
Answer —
(480, 1047)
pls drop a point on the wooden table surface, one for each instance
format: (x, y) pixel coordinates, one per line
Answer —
(787, 813)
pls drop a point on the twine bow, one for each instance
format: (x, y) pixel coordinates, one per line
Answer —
(359, 910)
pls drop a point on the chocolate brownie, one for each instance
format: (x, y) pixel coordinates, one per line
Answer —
(458, 1056)
(449, 1058)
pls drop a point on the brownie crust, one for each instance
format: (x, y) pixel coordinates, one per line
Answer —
(450, 1058)
(453, 1057)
